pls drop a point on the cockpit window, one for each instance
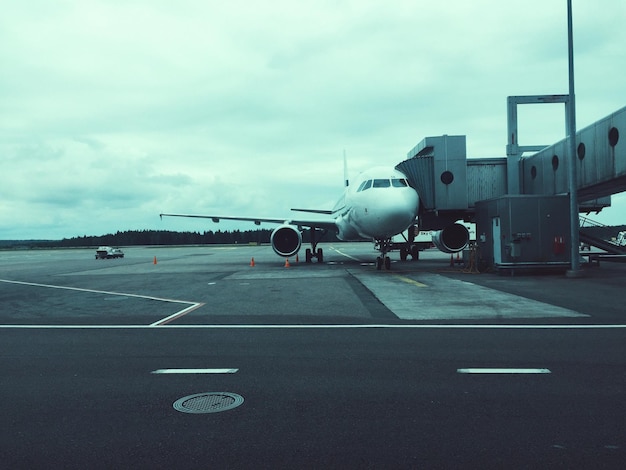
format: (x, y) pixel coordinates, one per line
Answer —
(365, 185)
(383, 183)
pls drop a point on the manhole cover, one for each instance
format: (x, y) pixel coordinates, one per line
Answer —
(209, 402)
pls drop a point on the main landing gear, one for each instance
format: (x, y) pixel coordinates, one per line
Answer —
(412, 250)
(315, 252)
(310, 254)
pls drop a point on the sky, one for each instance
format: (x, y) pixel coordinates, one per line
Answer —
(112, 112)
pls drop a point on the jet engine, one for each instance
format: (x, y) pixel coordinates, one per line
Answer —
(286, 240)
(451, 239)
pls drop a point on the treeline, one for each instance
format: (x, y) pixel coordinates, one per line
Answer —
(157, 237)
(165, 237)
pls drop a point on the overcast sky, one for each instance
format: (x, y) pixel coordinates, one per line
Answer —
(114, 111)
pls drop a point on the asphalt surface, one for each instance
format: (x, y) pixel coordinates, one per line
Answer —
(339, 365)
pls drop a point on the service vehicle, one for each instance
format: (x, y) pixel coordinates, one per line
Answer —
(106, 252)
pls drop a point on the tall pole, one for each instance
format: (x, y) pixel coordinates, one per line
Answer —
(572, 173)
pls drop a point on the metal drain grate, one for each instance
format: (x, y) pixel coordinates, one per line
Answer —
(209, 402)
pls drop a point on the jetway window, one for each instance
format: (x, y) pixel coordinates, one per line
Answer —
(613, 136)
(447, 177)
(580, 151)
(380, 183)
(555, 162)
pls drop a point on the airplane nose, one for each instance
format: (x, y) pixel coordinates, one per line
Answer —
(400, 212)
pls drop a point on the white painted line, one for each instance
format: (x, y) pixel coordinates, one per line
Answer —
(344, 254)
(502, 371)
(192, 305)
(94, 291)
(174, 316)
(194, 371)
(313, 327)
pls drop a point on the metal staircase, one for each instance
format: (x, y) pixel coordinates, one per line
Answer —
(600, 235)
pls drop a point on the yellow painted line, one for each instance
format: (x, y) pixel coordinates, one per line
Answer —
(410, 281)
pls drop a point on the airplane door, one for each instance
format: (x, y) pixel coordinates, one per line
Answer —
(497, 242)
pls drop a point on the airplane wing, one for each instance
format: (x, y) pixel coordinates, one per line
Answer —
(322, 224)
(314, 211)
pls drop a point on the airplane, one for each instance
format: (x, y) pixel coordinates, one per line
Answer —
(379, 204)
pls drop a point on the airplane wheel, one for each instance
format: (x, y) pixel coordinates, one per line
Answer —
(415, 253)
(309, 255)
(379, 263)
(387, 263)
(320, 255)
(403, 254)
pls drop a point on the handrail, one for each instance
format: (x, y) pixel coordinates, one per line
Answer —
(592, 223)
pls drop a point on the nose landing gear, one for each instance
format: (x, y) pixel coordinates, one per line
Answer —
(383, 260)
(384, 246)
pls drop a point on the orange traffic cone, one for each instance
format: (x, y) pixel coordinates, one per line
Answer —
(252, 262)
(287, 265)
(155, 261)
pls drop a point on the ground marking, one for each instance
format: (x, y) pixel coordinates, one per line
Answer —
(502, 371)
(409, 281)
(312, 327)
(194, 371)
(192, 305)
(344, 254)
(174, 316)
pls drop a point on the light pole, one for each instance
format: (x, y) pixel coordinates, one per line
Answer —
(572, 173)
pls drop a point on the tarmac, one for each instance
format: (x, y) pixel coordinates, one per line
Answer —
(334, 364)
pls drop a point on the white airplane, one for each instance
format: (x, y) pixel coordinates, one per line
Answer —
(380, 204)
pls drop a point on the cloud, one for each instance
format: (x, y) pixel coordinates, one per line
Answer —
(130, 108)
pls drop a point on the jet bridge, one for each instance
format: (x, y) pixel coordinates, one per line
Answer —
(450, 185)
(601, 159)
